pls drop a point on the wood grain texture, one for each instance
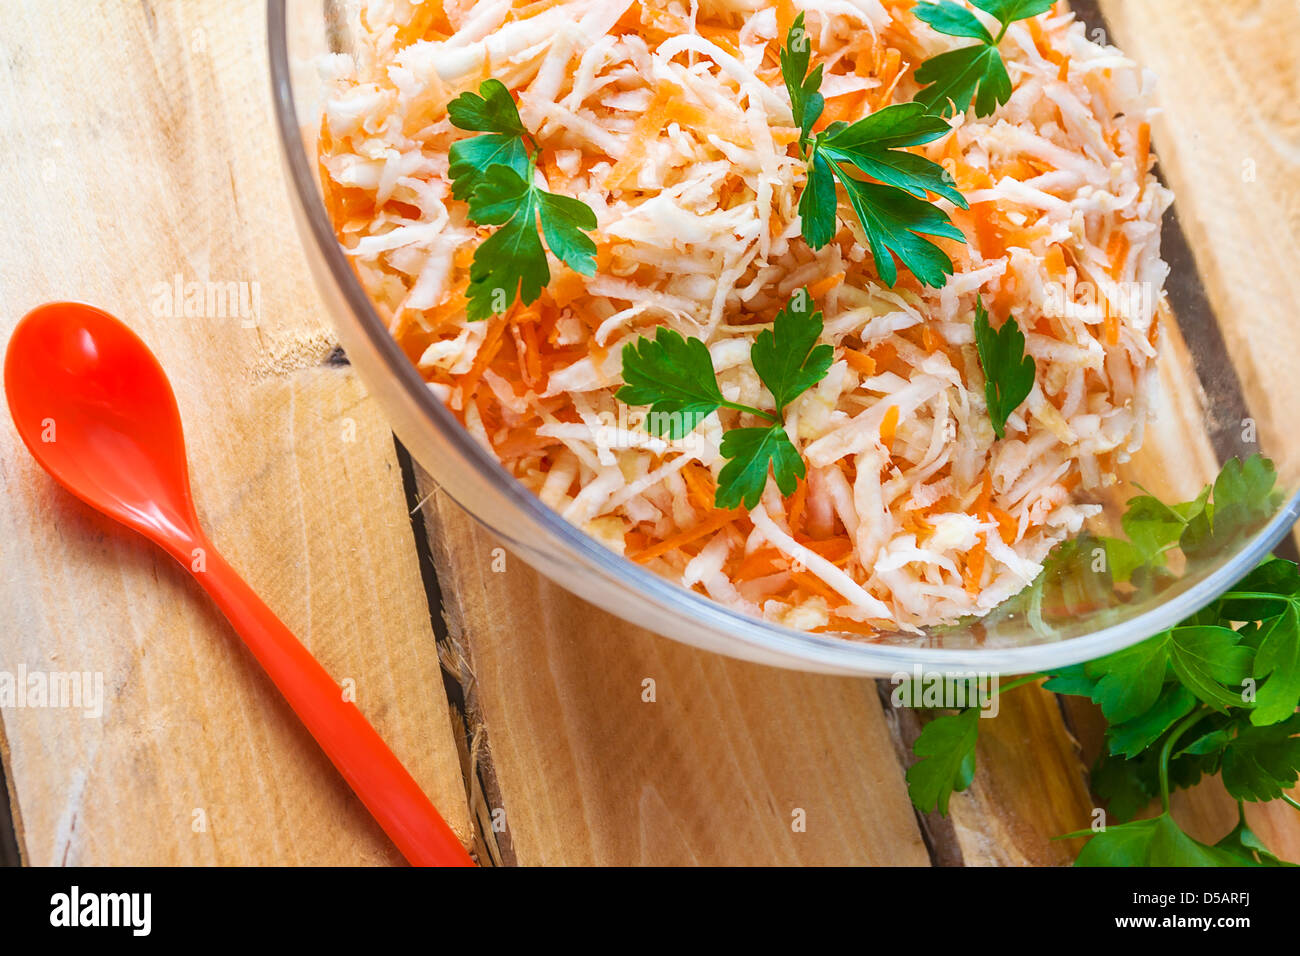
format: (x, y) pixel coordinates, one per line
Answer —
(1029, 787)
(147, 154)
(1229, 146)
(717, 769)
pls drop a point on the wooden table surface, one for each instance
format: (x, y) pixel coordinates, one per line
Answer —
(138, 148)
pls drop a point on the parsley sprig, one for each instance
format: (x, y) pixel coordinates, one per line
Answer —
(495, 174)
(892, 207)
(1008, 371)
(975, 73)
(1212, 695)
(675, 377)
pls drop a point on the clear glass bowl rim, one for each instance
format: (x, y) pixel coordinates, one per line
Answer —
(816, 651)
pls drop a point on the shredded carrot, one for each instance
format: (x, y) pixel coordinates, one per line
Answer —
(835, 550)
(886, 357)
(1047, 51)
(860, 361)
(814, 585)
(764, 561)
(427, 21)
(822, 286)
(1008, 527)
(930, 340)
(845, 108)
(848, 626)
(888, 426)
(794, 515)
(699, 486)
(529, 10)
(984, 501)
(706, 527)
(647, 129)
(785, 14)
(891, 72)
(486, 353)
(566, 287)
(987, 233)
(1117, 252)
(1143, 156)
(1055, 261)
(1109, 324)
(974, 566)
(725, 37)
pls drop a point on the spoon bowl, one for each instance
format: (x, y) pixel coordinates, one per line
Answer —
(94, 407)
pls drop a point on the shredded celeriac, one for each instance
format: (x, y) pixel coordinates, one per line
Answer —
(671, 121)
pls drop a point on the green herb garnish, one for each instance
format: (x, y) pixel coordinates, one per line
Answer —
(946, 748)
(494, 173)
(893, 208)
(1008, 371)
(674, 376)
(1212, 695)
(976, 73)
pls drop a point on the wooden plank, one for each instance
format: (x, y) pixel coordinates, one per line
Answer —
(718, 768)
(1229, 146)
(155, 158)
(1029, 787)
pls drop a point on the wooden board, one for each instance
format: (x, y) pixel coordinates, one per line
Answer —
(721, 766)
(1229, 146)
(150, 158)
(149, 153)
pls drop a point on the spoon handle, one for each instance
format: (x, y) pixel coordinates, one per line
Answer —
(393, 798)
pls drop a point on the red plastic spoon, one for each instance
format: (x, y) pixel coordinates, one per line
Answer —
(94, 406)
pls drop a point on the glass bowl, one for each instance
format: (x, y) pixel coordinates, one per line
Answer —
(1072, 615)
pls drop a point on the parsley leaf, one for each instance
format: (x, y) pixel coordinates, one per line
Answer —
(946, 747)
(494, 173)
(1242, 842)
(1243, 498)
(491, 110)
(1008, 371)
(952, 19)
(1133, 736)
(1126, 786)
(805, 101)
(893, 208)
(1129, 681)
(877, 144)
(894, 223)
(1277, 664)
(1203, 657)
(675, 377)
(493, 113)
(1261, 762)
(751, 453)
(1155, 842)
(955, 79)
(1008, 11)
(512, 258)
(787, 357)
